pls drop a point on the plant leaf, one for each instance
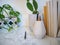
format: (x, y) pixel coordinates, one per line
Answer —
(35, 4)
(7, 6)
(1, 9)
(14, 13)
(27, 0)
(29, 6)
(9, 29)
(17, 13)
(2, 16)
(18, 19)
(11, 12)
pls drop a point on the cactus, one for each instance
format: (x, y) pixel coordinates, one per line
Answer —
(32, 7)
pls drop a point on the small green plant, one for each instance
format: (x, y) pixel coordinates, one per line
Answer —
(32, 6)
(1, 13)
(11, 13)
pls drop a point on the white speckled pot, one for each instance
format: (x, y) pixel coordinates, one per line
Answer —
(39, 29)
(32, 19)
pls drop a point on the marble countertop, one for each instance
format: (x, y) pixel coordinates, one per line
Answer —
(17, 38)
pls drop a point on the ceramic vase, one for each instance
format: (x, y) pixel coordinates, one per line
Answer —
(39, 29)
(32, 19)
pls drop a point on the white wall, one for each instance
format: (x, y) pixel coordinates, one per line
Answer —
(20, 5)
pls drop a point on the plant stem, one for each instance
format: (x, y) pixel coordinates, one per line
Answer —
(37, 17)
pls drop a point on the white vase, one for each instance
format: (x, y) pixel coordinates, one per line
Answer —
(39, 29)
(32, 19)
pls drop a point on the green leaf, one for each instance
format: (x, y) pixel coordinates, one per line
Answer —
(9, 29)
(14, 13)
(18, 19)
(29, 6)
(28, 0)
(1, 9)
(17, 13)
(11, 12)
(35, 4)
(7, 6)
(2, 16)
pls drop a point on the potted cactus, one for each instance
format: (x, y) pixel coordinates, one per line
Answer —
(36, 26)
(33, 7)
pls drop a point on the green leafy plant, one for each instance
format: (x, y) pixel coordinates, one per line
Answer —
(1, 13)
(11, 13)
(32, 6)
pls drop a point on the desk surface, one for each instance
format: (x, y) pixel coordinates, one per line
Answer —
(17, 38)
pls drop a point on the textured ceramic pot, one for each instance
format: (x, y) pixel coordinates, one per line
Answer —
(39, 29)
(32, 19)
